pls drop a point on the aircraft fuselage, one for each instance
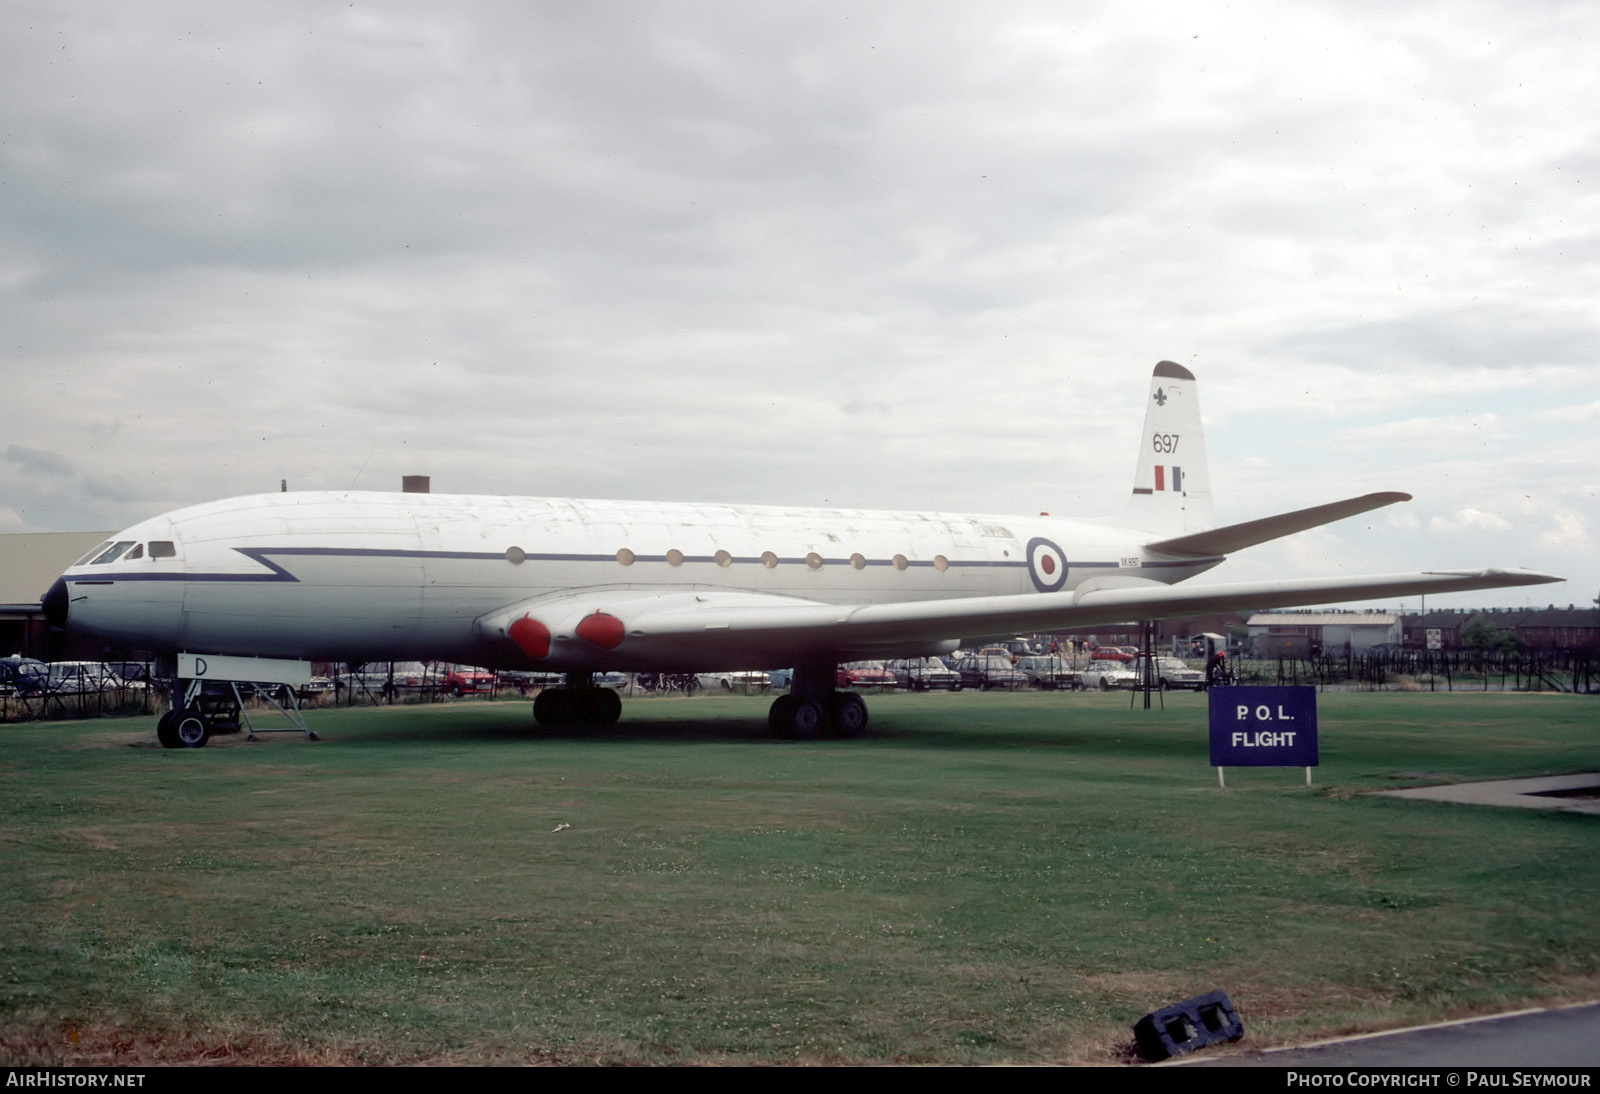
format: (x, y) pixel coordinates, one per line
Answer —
(355, 576)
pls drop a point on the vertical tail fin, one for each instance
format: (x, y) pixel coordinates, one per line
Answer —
(1172, 488)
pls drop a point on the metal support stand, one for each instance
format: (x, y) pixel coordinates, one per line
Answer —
(291, 712)
(228, 709)
(1146, 638)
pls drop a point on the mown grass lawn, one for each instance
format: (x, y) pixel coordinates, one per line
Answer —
(983, 877)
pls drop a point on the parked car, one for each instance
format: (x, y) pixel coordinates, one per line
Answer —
(924, 674)
(1106, 675)
(85, 677)
(463, 679)
(390, 678)
(863, 674)
(1048, 671)
(1170, 672)
(526, 680)
(1114, 653)
(992, 670)
(316, 686)
(735, 681)
(135, 672)
(23, 677)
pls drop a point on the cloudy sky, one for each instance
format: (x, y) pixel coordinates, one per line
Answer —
(907, 255)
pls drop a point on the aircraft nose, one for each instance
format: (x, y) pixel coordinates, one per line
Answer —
(55, 604)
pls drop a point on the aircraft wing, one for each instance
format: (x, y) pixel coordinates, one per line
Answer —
(739, 630)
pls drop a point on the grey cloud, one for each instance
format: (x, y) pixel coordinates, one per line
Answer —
(1478, 337)
(39, 461)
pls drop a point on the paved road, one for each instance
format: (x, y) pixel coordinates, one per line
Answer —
(1567, 1037)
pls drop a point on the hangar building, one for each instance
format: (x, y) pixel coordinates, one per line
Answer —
(29, 562)
(1297, 634)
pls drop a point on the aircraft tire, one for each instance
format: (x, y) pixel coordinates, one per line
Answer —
(555, 708)
(808, 720)
(190, 727)
(603, 707)
(797, 718)
(847, 714)
(780, 716)
(165, 733)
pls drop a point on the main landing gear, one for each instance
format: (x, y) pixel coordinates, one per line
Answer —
(579, 703)
(814, 709)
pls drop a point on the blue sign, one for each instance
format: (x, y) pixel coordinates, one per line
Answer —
(1263, 727)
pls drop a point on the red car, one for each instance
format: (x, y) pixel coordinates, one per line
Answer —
(463, 679)
(864, 674)
(1114, 653)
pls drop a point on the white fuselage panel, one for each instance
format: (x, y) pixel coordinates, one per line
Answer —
(352, 576)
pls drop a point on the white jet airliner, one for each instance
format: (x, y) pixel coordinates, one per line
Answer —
(584, 586)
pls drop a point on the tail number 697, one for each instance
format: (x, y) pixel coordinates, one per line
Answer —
(1164, 442)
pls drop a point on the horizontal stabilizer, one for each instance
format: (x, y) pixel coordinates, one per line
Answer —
(1236, 537)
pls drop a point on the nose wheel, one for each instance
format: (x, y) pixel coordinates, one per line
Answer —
(185, 727)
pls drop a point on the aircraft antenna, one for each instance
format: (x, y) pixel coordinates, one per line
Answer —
(363, 467)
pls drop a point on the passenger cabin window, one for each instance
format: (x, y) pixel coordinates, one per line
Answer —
(163, 548)
(111, 554)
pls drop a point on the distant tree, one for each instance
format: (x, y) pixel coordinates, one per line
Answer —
(1480, 636)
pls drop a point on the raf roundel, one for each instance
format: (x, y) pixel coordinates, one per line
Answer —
(1046, 565)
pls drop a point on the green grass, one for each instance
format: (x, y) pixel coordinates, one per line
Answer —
(984, 877)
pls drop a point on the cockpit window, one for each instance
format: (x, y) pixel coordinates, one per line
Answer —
(137, 552)
(163, 548)
(112, 553)
(85, 559)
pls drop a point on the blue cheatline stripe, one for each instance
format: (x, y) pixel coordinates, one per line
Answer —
(276, 573)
